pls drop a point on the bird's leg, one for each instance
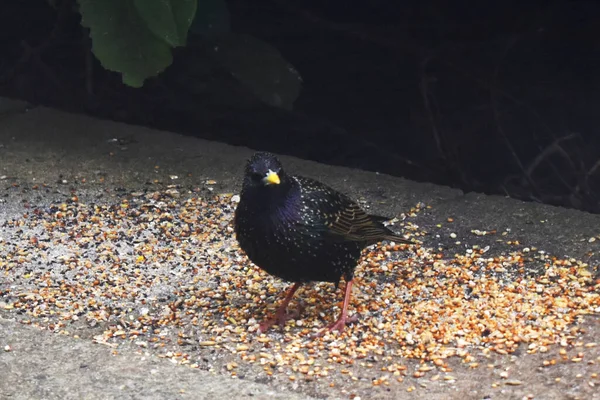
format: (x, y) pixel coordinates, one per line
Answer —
(343, 319)
(281, 315)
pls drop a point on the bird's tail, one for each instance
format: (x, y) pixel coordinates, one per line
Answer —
(393, 237)
(387, 233)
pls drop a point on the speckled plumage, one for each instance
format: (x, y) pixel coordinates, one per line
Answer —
(299, 229)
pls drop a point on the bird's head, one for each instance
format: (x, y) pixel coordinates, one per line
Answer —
(264, 170)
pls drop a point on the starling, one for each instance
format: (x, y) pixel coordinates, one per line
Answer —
(301, 230)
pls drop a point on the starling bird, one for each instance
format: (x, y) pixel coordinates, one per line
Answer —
(301, 230)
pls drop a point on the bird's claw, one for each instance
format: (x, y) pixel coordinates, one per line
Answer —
(280, 318)
(338, 325)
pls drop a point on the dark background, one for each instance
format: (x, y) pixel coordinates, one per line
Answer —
(496, 97)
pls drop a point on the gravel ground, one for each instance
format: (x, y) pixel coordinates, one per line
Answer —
(119, 241)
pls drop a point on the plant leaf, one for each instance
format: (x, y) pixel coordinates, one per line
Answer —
(212, 18)
(122, 41)
(169, 20)
(260, 67)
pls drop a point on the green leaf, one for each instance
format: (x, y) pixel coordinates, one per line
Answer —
(212, 18)
(169, 20)
(122, 41)
(184, 12)
(260, 67)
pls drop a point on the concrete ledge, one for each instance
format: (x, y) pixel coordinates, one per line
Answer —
(95, 157)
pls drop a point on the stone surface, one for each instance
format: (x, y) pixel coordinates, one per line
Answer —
(40, 145)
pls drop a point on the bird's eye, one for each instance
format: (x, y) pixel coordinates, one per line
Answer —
(256, 177)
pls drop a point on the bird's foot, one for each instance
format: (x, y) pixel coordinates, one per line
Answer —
(338, 325)
(280, 318)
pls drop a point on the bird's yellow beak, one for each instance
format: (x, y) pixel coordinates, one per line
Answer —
(271, 178)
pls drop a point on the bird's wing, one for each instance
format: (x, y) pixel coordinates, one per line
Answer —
(341, 218)
(352, 223)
